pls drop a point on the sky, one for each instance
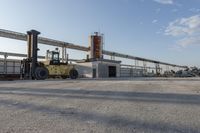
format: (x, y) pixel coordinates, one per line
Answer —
(165, 30)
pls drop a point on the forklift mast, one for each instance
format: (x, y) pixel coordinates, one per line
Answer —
(33, 49)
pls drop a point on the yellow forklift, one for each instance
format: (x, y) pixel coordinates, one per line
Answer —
(51, 67)
(57, 68)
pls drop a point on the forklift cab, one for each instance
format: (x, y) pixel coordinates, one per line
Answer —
(53, 57)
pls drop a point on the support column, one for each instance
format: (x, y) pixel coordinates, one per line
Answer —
(144, 67)
(136, 64)
(5, 63)
(63, 54)
(157, 69)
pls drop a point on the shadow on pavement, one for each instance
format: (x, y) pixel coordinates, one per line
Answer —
(123, 124)
(149, 97)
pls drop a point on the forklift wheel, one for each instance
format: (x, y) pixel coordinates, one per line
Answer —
(73, 74)
(41, 73)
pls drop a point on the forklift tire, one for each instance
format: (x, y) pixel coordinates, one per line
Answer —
(73, 74)
(41, 73)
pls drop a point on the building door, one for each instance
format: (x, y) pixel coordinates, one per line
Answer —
(112, 71)
(94, 73)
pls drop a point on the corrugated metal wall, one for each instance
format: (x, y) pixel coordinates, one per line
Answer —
(131, 72)
(9, 66)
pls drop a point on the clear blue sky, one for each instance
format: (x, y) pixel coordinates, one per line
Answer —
(165, 30)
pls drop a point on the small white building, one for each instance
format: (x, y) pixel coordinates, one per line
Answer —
(100, 68)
